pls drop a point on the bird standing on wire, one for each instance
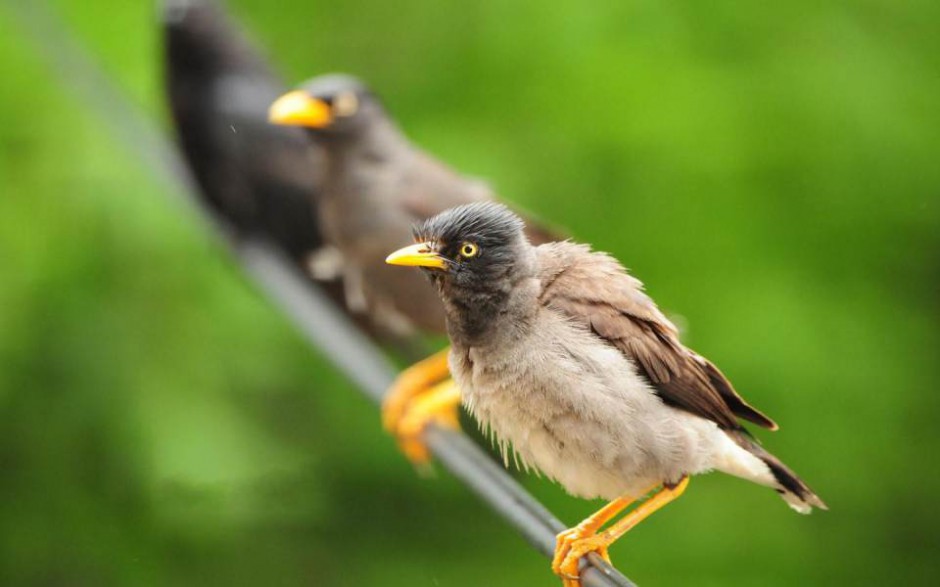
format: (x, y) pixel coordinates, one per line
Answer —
(561, 354)
(376, 185)
(263, 180)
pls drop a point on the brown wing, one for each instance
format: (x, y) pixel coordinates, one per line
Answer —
(594, 289)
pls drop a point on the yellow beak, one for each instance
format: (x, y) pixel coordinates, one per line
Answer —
(297, 108)
(419, 255)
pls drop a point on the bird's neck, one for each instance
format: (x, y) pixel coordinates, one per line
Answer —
(493, 316)
(380, 141)
(470, 315)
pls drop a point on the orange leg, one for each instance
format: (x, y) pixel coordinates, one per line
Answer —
(588, 527)
(422, 394)
(576, 542)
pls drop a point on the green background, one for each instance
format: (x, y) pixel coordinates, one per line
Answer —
(770, 172)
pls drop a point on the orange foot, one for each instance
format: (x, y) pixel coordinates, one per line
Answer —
(422, 394)
(574, 543)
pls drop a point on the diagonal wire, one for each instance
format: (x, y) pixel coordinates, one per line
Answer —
(325, 327)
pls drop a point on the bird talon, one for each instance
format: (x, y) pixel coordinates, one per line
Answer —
(576, 547)
(414, 450)
(396, 401)
(586, 530)
(411, 383)
(437, 405)
(562, 546)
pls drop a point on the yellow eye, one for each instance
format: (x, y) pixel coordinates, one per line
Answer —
(346, 104)
(469, 250)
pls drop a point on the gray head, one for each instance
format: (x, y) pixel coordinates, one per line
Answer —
(475, 254)
(334, 105)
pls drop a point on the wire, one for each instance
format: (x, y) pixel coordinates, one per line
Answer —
(325, 327)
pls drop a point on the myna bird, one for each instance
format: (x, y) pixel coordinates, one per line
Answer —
(560, 353)
(261, 179)
(377, 184)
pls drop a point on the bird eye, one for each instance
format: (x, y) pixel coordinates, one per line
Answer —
(345, 104)
(469, 250)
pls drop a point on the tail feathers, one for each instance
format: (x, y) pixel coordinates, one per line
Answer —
(741, 408)
(791, 488)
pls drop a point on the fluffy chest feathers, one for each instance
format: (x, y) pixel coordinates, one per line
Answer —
(572, 408)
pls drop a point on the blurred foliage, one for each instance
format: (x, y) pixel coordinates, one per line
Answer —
(769, 171)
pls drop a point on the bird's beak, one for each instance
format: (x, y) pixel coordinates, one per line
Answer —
(298, 108)
(419, 255)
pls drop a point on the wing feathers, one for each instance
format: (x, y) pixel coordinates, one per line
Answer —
(594, 289)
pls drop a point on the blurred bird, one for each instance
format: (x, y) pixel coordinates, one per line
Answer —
(262, 179)
(563, 357)
(376, 185)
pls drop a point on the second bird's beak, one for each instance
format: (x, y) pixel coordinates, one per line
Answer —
(419, 255)
(298, 108)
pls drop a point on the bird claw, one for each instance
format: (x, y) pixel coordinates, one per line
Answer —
(570, 547)
(416, 416)
(395, 402)
(406, 416)
(411, 383)
(573, 544)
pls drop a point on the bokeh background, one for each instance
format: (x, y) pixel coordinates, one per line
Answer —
(770, 171)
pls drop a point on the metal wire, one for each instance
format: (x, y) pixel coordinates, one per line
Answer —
(325, 327)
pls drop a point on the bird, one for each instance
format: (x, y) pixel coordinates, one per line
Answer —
(263, 180)
(260, 181)
(376, 185)
(561, 355)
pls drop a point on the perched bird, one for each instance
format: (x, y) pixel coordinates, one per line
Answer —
(263, 180)
(560, 353)
(376, 185)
